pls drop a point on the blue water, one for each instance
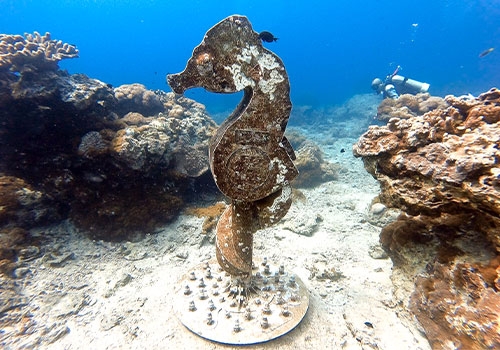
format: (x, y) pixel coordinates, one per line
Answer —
(332, 49)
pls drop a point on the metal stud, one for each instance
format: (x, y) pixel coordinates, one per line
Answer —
(192, 307)
(237, 327)
(264, 323)
(210, 320)
(276, 277)
(203, 294)
(280, 300)
(285, 312)
(248, 314)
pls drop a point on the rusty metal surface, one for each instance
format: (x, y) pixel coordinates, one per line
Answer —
(250, 158)
(220, 308)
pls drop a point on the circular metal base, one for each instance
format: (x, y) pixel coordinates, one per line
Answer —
(228, 310)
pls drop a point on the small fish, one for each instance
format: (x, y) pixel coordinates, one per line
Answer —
(486, 52)
(342, 150)
(266, 36)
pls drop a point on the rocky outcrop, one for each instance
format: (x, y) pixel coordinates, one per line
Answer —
(313, 168)
(68, 139)
(408, 106)
(136, 98)
(442, 169)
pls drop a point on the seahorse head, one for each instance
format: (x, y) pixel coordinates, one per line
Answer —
(229, 59)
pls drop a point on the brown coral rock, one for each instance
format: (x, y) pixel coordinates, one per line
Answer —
(113, 217)
(313, 168)
(442, 168)
(459, 301)
(136, 98)
(407, 106)
(180, 143)
(435, 163)
(22, 205)
(64, 133)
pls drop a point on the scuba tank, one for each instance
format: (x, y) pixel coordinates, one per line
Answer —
(411, 86)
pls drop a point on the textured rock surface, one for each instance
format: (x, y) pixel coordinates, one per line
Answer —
(313, 168)
(443, 170)
(178, 141)
(136, 98)
(64, 138)
(407, 106)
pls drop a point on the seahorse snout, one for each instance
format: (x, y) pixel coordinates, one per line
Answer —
(177, 83)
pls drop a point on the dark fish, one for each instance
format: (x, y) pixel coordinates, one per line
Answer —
(267, 37)
(369, 324)
(342, 150)
(486, 52)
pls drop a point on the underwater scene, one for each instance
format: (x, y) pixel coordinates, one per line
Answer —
(236, 174)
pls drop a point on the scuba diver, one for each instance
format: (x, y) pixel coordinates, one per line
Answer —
(395, 85)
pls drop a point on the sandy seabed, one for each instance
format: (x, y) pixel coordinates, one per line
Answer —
(84, 294)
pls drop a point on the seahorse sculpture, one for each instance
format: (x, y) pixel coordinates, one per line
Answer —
(250, 158)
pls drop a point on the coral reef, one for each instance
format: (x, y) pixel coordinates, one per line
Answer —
(313, 169)
(164, 140)
(460, 301)
(63, 138)
(33, 52)
(136, 98)
(21, 205)
(408, 105)
(442, 169)
(21, 208)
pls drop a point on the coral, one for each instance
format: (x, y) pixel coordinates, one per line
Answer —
(313, 169)
(33, 51)
(211, 215)
(407, 106)
(126, 211)
(64, 133)
(12, 240)
(436, 162)
(136, 98)
(461, 301)
(442, 170)
(134, 118)
(92, 144)
(178, 142)
(21, 208)
(21, 205)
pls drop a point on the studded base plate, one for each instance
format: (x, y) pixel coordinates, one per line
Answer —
(230, 311)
